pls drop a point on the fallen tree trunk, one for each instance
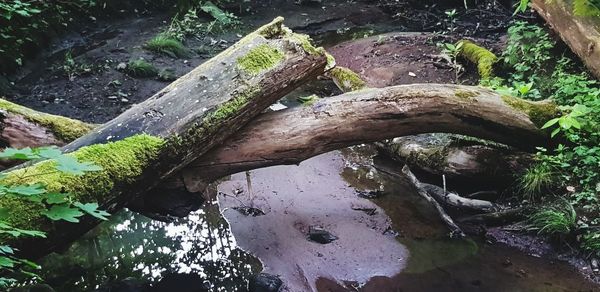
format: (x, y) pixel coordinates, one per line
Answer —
(457, 156)
(581, 33)
(158, 137)
(293, 135)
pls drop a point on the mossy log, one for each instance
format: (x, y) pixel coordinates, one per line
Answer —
(480, 56)
(581, 33)
(293, 135)
(458, 156)
(161, 135)
(24, 127)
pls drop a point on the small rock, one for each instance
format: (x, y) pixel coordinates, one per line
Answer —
(122, 66)
(124, 100)
(264, 282)
(249, 211)
(112, 97)
(595, 265)
(507, 262)
(411, 74)
(320, 235)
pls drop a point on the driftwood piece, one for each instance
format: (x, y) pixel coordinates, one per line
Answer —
(455, 231)
(161, 135)
(581, 33)
(499, 218)
(457, 201)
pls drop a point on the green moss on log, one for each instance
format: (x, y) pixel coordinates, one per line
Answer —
(122, 163)
(63, 128)
(465, 94)
(482, 57)
(259, 59)
(273, 29)
(346, 79)
(539, 112)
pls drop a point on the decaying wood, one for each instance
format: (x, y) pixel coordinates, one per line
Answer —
(454, 229)
(499, 218)
(293, 135)
(457, 156)
(581, 33)
(182, 121)
(457, 201)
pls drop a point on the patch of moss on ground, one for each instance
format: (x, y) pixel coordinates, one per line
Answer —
(141, 68)
(482, 57)
(347, 79)
(122, 163)
(260, 58)
(63, 128)
(539, 112)
(167, 46)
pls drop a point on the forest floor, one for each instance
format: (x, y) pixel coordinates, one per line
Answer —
(384, 46)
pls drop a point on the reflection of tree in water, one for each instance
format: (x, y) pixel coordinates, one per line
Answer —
(131, 245)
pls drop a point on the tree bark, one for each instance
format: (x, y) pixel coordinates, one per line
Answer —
(293, 135)
(581, 33)
(457, 156)
(158, 137)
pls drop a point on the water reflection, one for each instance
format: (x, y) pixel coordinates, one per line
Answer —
(132, 245)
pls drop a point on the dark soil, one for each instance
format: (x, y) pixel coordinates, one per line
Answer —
(104, 92)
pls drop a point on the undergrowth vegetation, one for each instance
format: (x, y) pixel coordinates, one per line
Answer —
(60, 206)
(26, 26)
(570, 172)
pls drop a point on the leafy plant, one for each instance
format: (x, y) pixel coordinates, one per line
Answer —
(555, 220)
(61, 206)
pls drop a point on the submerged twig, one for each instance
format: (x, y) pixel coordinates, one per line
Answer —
(455, 231)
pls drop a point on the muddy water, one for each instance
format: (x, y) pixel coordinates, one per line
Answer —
(393, 242)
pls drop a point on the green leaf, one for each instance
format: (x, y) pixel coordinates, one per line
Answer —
(56, 198)
(70, 165)
(63, 212)
(30, 190)
(20, 154)
(48, 152)
(92, 209)
(5, 249)
(6, 262)
(550, 123)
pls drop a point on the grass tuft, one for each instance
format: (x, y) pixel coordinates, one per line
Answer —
(537, 179)
(140, 68)
(165, 45)
(554, 220)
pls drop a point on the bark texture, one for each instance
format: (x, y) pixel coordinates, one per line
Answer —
(293, 135)
(581, 33)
